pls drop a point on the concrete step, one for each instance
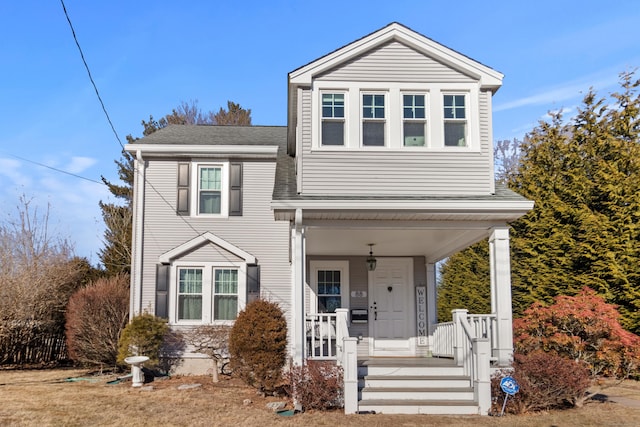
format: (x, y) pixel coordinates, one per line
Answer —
(402, 370)
(451, 407)
(415, 381)
(436, 394)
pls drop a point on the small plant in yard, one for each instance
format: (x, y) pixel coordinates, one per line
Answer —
(258, 344)
(143, 336)
(212, 340)
(95, 318)
(316, 385)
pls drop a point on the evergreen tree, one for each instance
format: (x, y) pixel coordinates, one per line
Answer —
(584, 230)
(118, 216)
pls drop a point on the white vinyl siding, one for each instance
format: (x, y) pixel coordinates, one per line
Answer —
(395, 62)
(399, 170)
(164, 231)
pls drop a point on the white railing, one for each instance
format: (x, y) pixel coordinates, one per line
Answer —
(443, 340)
(328, 339)
(321, 336)
(473, 353)
(444, 336)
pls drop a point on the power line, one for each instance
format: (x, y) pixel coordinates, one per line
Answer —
(90, 76)
(55, 169)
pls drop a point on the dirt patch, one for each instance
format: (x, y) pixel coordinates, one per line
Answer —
(50, 398)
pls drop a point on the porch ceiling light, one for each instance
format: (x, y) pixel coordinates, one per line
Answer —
(371, 261)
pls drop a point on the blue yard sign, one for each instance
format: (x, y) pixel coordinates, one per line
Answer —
(510, 387)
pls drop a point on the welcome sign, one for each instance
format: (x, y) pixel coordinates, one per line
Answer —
(421, 315)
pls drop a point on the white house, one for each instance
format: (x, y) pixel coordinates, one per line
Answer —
(384, 169)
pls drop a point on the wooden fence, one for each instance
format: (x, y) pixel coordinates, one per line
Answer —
(25, 346)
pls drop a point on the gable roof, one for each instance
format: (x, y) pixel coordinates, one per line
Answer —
(487, 77)
(203, 239)
(211, 140)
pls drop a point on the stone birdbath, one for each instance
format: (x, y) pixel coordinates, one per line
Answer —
(136, 369)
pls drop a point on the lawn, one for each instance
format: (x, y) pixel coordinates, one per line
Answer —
(46, 398)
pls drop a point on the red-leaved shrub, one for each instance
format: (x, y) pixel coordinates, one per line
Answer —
(316, 385)
(581, 327)
(95, 317)
(546, 380)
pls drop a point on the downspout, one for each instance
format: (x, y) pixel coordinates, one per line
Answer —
(135, 305)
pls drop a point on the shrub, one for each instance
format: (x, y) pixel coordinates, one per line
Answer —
(94, 319)
(143, 336)
(316, 385)
(546, 380)
(258, 343)
(582, 327)
(212, 340)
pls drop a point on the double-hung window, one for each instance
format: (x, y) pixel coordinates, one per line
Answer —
(190, 293)
(373, 120)
(455, 121)
(333, 119)
(225, 297)
(209, 190)
(414, 120)
(208, 293)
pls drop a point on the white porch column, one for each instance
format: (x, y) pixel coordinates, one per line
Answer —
(432, 301)
(501, 294)
(298, 283)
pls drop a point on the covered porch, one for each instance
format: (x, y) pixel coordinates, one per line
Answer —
(347, 311)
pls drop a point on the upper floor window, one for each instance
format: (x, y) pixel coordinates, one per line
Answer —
(414, 122)
(333, 119)
(209, 189)
(373, 120)
(455, 121)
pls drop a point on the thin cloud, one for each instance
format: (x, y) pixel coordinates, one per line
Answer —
(568, 91)
(79, 164)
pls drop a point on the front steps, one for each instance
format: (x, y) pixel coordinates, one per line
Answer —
(414, 386)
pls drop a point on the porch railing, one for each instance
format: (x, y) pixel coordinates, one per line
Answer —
(328, 339)
(444, 336)
(472, 351)
(321, 336)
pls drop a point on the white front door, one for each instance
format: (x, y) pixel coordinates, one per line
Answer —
(392, 310)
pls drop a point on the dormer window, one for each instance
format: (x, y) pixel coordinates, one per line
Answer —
(455, 121)
(414, 122)
(373, 120)
(333, 119)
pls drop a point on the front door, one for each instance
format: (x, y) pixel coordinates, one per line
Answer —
(391, 308)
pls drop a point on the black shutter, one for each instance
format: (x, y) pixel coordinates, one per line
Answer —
(235, 189)
(162, 290)
(183, 189)
(253, 283)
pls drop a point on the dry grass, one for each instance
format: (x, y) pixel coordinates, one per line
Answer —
(44, 398)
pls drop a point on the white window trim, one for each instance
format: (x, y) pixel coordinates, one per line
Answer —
(386, 120)
(472, 127)
(427, 119)
(207, 291)
(195, 189)
(345, 119)
(314, 266)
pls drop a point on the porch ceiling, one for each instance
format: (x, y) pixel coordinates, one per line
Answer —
(435, 242)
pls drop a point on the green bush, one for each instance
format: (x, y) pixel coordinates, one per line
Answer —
(143, 336)
(258, 345)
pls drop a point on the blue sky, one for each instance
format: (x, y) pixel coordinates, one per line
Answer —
(147, 57)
